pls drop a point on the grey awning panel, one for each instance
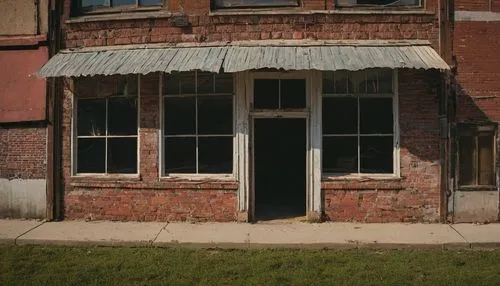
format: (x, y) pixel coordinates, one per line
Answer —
(241, 58)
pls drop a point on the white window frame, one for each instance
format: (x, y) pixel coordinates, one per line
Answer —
(75, 137)
(162, 135)
(396, 148)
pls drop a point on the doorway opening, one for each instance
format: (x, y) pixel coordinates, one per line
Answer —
(280, 185)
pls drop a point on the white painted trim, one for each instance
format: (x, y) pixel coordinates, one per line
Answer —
(161, 141)
(316, 139)
(313, 184)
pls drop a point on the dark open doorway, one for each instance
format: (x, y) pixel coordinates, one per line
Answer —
(280, 168)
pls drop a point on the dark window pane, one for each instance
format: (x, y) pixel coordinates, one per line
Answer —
(328, 81)
(466, 160)
(180, 155)
(108, 85)
(376, 115)
(293, 93)
(341, 82)
(91, 155)
(486, 173)
(205, 83)
(215, 115)
(122, 116)
(150, 2)
(376, 154)
(224, 83)
(340, 154)
(385, 81)
(172, 84)
(122, 155)
(127, 85)
(340, 116)
(180, 116)
(357, 82)
(91, 117)
(180, 83)
(123, 2)
(89, 3)
(215, 155)
(266, 94)
(254, 3)
(371, 81)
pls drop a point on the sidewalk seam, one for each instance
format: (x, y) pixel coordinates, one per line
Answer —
(29, 230)
(158, 234)
(463, 237)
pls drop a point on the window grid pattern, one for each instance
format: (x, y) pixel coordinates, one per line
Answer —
(94, 132)
(188, 86)
(378, 85)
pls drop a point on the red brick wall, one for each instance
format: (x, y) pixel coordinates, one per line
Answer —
(476, 47)
(415, 196)
(23, 152)
(145, 197)
(208, 28)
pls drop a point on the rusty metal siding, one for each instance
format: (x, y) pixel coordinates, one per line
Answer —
(241, 58)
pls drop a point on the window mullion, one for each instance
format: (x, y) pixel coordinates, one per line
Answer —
(196, 119)
(106, 141)
(359, 138)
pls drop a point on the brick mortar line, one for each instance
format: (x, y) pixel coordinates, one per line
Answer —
(29, 230)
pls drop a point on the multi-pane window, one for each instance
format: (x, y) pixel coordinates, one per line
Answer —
(254, 3)
(378, 3)
(279, 94)
(198, 123)
(106, 125)
(476, 150)
(358, 122)
(92, 5)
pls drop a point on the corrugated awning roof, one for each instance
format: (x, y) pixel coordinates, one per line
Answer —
(235, 58)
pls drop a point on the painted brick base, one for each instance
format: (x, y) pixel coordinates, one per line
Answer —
(151, 205)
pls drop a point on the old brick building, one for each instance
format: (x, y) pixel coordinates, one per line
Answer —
(477, 86)
(23, 128)
(247, 110)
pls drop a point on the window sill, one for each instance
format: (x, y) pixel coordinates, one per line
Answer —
(362, 183)
(136, 15)
(105, 177)
(350, 11)
(198, 178)
(162, 185)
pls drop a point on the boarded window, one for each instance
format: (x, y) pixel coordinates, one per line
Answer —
(476, 149)
(378, 3)
(198, 123)
(106, 125)
(254, 3)
(358, 122)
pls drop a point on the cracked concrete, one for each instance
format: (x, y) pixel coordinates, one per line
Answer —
(242, 235)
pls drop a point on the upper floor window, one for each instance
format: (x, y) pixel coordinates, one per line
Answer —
(86, 6)
(378, 3)
(254, 3)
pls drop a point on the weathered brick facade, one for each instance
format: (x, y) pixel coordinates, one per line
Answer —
(415, 196)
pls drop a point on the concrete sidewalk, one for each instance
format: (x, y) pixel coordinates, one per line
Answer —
(240, 235)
